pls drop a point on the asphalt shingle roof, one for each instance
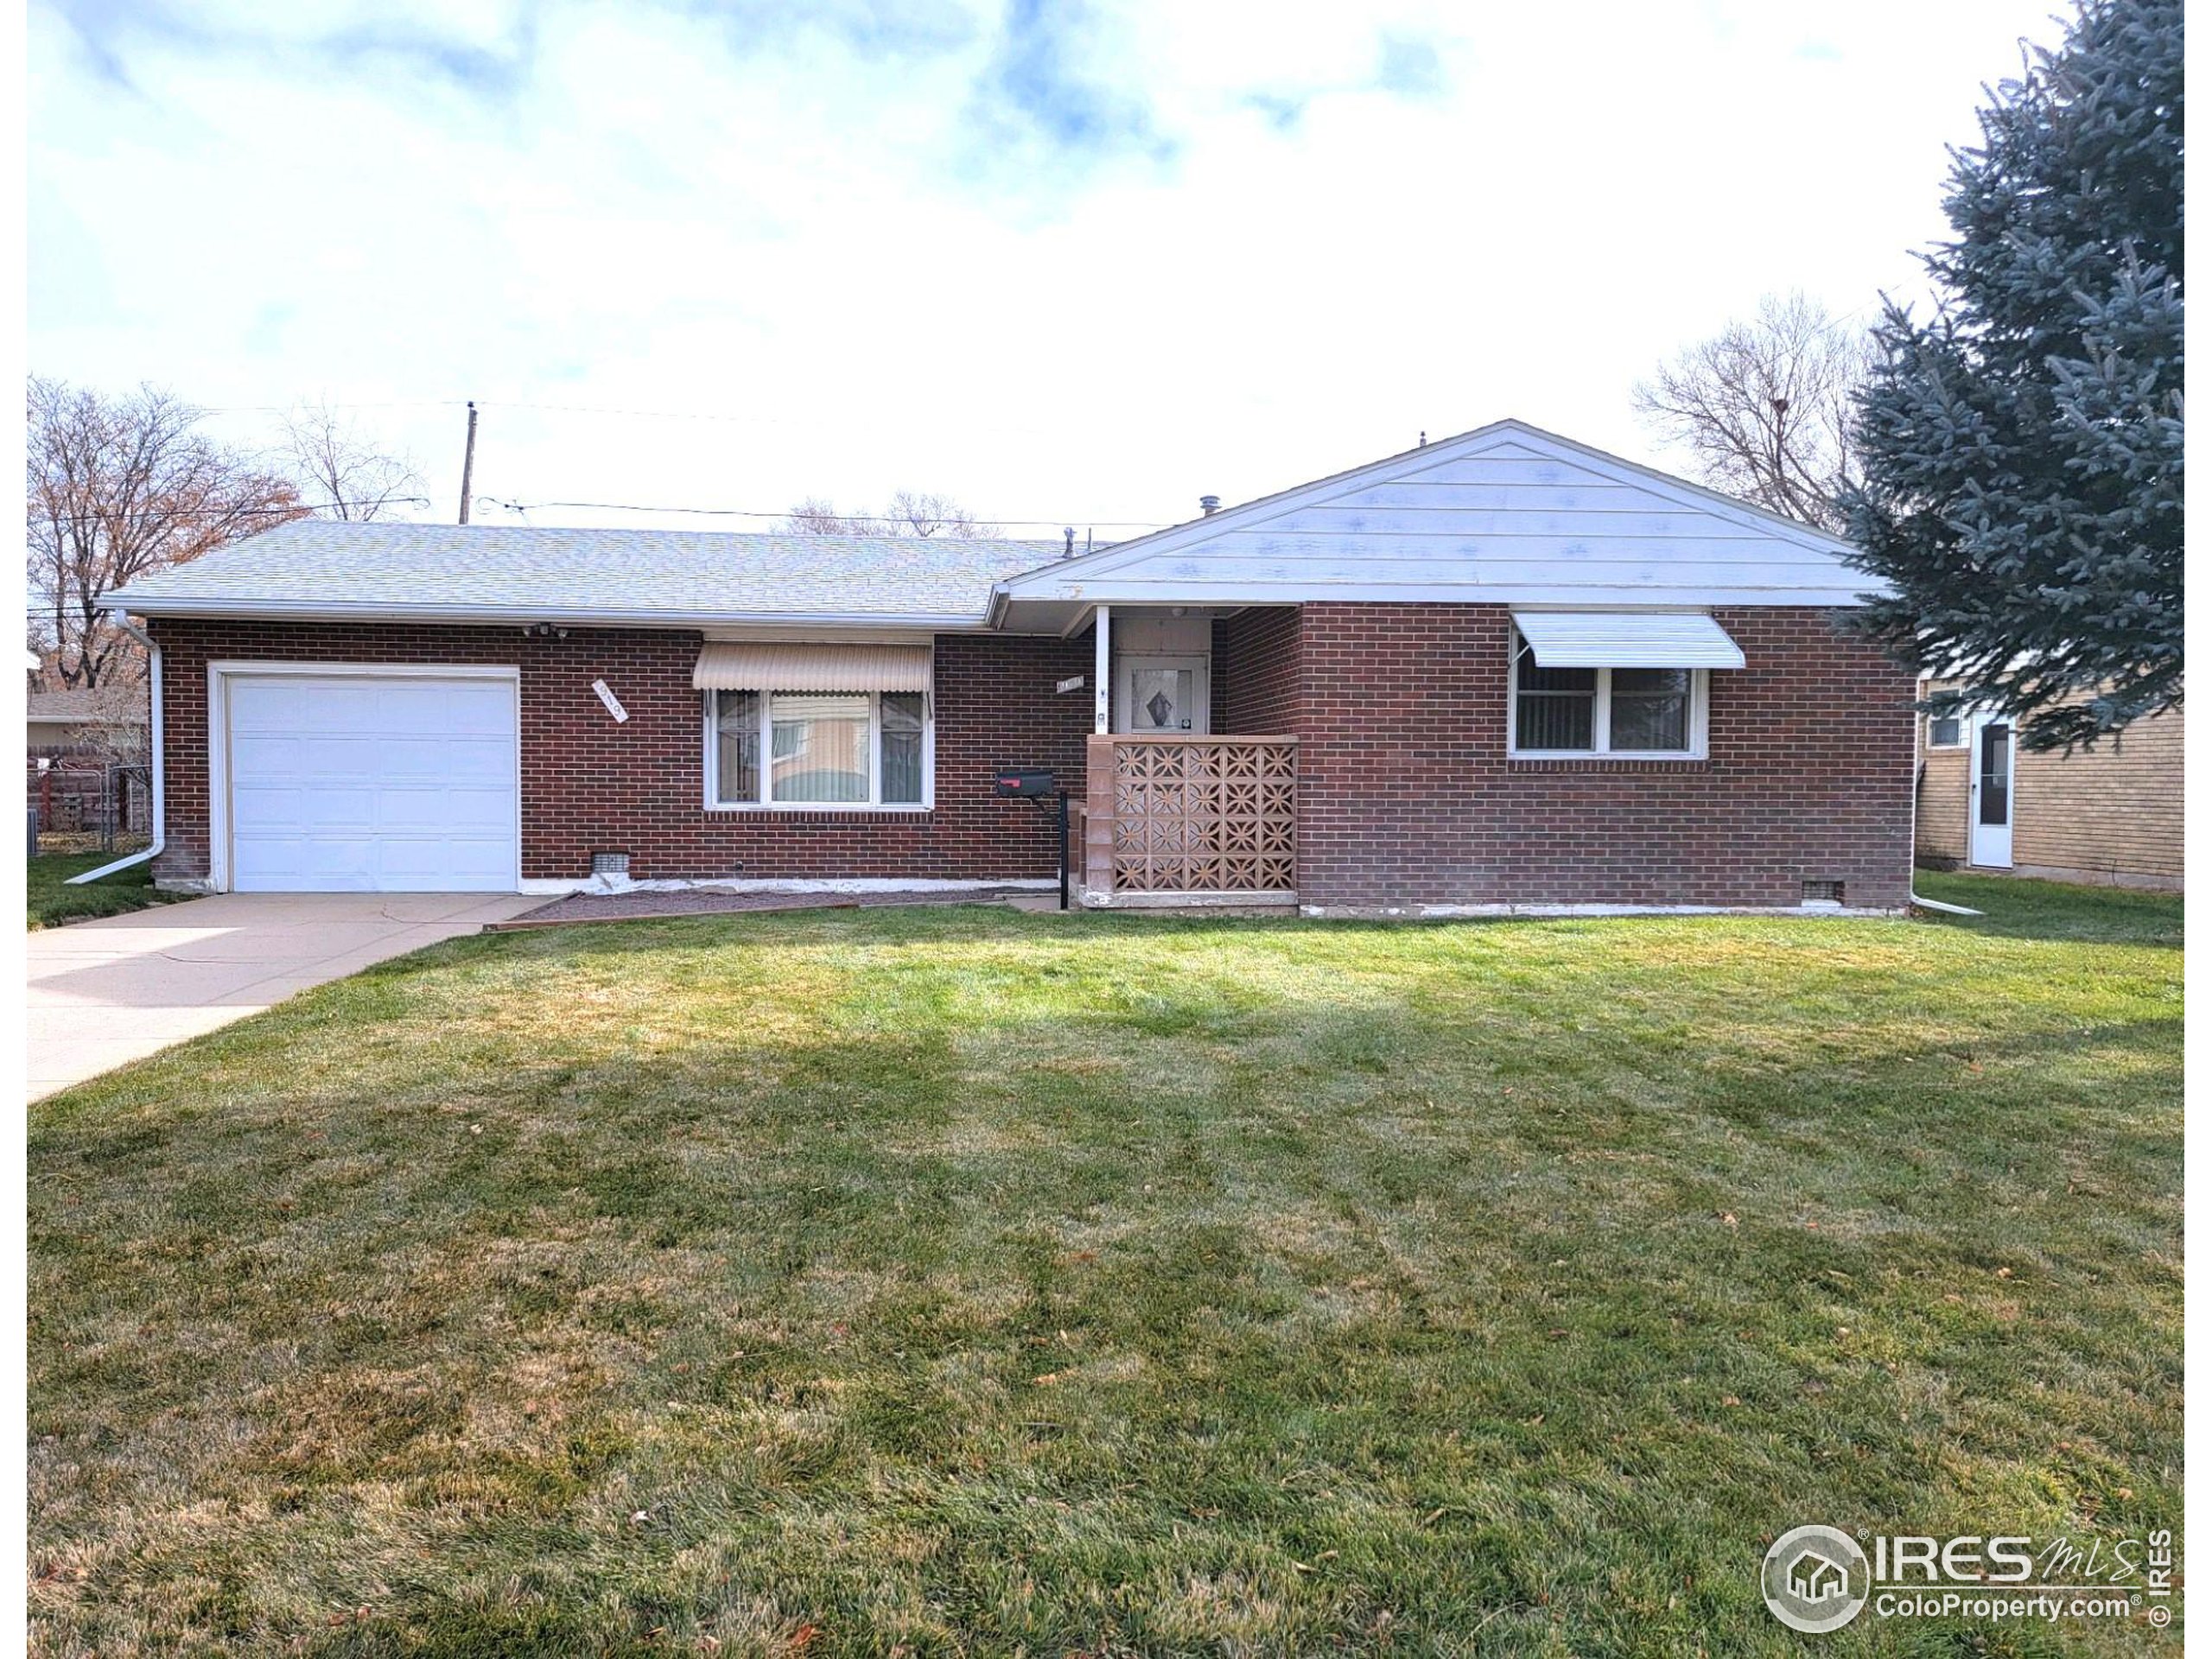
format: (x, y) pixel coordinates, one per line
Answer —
(63, 705)
(321, 565)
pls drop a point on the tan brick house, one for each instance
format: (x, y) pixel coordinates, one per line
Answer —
(1501, 672)
(2108, 815)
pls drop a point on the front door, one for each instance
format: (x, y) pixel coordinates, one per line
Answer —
(1989, 793)
(1163, 696)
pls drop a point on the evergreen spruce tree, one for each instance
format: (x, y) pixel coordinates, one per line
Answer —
(2022, 450)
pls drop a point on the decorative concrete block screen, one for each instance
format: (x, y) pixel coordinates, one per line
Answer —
(1206, 815)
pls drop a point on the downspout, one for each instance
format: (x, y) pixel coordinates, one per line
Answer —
(160, 826)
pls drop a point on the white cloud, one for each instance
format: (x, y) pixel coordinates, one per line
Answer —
(1083, 270)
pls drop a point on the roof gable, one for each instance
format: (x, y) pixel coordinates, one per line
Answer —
(1508, 514)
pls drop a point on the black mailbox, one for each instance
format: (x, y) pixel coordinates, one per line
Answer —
(1023, 782)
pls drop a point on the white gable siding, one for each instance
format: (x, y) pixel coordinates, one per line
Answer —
(1505, 515)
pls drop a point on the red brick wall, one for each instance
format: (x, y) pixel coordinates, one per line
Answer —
(1257, 676)
(589, 783)
(1406, 795)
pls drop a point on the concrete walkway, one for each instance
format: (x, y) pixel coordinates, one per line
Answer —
(108, 991)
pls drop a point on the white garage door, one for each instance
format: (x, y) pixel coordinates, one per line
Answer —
(372, 784)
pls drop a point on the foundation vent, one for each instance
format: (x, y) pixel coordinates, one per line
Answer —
(1822, 893)
(610, 863)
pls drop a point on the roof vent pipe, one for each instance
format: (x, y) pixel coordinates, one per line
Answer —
(1069, 551)
(1208, 504)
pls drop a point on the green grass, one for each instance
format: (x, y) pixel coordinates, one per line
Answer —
(961, 1281)
(53, 902)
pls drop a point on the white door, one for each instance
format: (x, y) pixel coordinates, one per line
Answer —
(1164, 695)
(1990, 755)
(373, 784)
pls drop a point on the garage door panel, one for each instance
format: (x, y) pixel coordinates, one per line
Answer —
(262, 754)
(405, 863)
(343, 785)
(424, 755)
(294, 705)
(319, 756)
(479, 711)
(432, 757)
(271, 811)
(477, 813)
(428, 812)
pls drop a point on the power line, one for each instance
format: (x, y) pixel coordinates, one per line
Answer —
(286, 408)
(850, 517)
(297, 510)
(746, 419)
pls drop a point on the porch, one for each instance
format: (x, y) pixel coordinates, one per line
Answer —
(1190, 798)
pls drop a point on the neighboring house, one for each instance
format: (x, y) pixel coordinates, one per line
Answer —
(1501, 670)
(2110, 815)
(61, 722)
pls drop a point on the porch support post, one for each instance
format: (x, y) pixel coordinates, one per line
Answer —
(1097, 853)
(1102, 676)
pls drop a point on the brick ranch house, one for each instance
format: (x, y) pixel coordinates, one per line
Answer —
(1501, 672)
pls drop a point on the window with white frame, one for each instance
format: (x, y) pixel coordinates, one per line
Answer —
(1655, 713)
(818, 748)
(1947, 732)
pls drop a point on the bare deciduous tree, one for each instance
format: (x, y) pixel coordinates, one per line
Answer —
(816, 517)
(116, 487)
(118, 720)
(911, 512)
(1765, 407)
(343, 473)
(916, 512)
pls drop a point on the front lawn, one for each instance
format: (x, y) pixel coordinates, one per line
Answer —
(966, 1281)
(52, 902)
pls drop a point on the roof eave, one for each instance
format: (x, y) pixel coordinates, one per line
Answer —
(1190, 591)
(286, 610)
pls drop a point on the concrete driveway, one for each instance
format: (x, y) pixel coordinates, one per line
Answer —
(105, 992)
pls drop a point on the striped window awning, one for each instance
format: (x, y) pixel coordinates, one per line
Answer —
(736, 666)
(1627, 640)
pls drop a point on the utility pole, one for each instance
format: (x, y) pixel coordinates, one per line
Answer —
(469, 463)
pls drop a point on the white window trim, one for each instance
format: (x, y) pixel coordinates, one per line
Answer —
(1961, 719)
(1601, 719)
(711, 759)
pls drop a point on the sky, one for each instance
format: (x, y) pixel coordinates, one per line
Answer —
(1073, 264)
